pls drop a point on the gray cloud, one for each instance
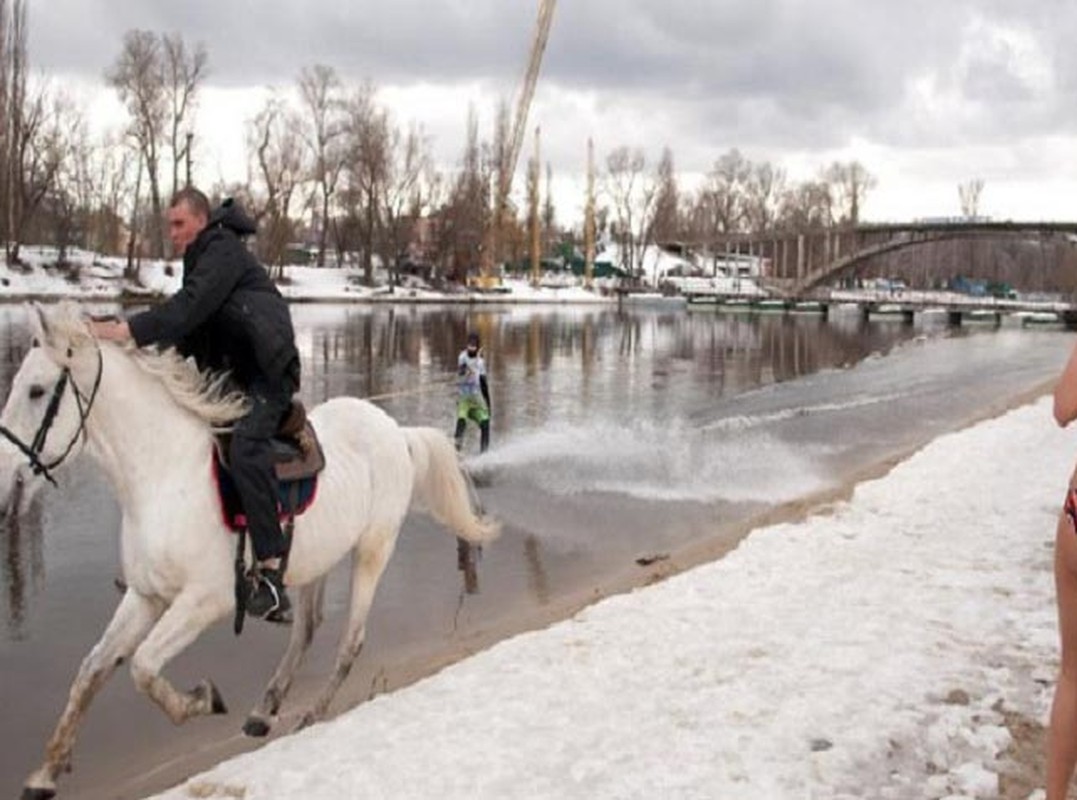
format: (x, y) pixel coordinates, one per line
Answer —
(766, 74)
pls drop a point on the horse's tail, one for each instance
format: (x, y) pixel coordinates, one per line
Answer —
(442, 488)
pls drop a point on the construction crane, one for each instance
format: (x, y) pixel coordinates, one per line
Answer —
(511, 154)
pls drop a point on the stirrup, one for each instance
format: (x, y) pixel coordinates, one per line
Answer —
(267, 598)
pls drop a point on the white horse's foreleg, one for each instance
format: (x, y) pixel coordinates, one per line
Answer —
(307, 619)
(130, 623)
(368, 565)
(188, 616)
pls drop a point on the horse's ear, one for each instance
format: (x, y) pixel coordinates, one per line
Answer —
(39, 323)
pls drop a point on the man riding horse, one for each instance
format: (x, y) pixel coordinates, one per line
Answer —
(230, 317)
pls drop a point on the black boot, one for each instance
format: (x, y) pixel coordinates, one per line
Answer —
(267, 598)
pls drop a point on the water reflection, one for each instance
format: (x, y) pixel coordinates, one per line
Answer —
(23, 567)
(569, 366)
(23, 553)
(537, 579)
(467, 562)
(545, 364)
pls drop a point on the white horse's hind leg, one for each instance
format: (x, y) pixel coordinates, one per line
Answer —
(132, 619)
(190, 614)
(368, 563)
(307, 619)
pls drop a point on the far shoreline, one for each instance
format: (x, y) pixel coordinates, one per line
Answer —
(380, 299)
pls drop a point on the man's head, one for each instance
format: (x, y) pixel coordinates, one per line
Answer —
(473, 343)
(188, 214)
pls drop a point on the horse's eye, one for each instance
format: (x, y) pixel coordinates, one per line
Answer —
(34, 342)
(37, 392)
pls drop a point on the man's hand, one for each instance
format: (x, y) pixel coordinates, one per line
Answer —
(110, 330)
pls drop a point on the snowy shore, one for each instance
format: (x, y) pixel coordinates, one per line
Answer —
(99, 279)
(883, 649)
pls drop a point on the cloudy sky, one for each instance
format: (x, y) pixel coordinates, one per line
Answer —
(926, 94)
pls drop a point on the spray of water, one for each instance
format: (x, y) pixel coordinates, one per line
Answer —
(668, 462)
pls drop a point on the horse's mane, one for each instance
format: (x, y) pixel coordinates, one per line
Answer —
(205, 394)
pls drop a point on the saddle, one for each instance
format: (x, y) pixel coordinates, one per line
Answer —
(297, 453)
(297, 460)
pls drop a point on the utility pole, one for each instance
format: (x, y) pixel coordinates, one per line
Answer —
(187, 157)
(589, 220)
(536, 220)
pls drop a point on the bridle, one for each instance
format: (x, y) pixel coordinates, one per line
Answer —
(33, 450)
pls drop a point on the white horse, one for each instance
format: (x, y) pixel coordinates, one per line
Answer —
(148, 420)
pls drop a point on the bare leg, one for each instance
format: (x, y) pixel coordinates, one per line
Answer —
(1062, 736)
(188, 616)
(307, 619)
(368, 566)
(130, 623)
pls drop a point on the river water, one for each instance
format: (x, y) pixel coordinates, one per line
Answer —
(625, 443)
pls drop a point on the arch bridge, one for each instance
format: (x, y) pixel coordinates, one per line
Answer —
(795, 263)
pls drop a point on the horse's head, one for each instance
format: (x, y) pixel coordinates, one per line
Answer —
(43, 421)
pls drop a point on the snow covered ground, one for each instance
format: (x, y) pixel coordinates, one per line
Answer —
(866, 652)
(92, 277)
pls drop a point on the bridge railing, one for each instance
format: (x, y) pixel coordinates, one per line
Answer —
(944, 299)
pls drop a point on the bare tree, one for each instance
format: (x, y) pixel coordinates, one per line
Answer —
(39, 152)
(130, 272)
(138, 77)
(319, 90)
(763, 193)
(464, 219)
(969, 194)
(279, 169)
(184, 71)
(724, 194)
(850, 184)
(667, 222)
(407, 190)
(112, 184)
(632, 193)
(73, 197)
(367, 145)
(7, 120)
(806, 206)
(549, 213)
(14, 87)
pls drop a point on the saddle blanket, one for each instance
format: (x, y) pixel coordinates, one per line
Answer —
(302, 495)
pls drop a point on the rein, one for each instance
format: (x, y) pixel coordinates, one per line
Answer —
(426, 387)
(33, 450)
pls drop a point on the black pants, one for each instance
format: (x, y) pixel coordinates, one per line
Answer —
(251, 461)
(484, 434)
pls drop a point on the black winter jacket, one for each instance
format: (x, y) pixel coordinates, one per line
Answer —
(227, 314)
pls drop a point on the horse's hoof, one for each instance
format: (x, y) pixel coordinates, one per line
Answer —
(207, 692)
(29, 793)
(218, 706)
(256, 727)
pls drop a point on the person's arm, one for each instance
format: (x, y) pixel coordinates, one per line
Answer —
(213, 278)
(485, 388)
(1065, 406)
